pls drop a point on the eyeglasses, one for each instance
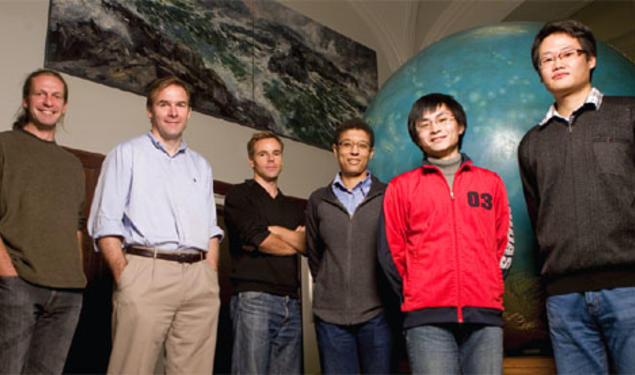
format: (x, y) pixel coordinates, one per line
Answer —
(348, 146)
(442, 120)
(566, 56)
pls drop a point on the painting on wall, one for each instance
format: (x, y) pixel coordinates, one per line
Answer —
(254, 62)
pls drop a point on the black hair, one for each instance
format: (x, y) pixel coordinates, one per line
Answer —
(573, 28)
(431, 102)
(354, 124)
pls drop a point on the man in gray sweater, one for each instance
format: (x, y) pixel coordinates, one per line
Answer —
(341, 231)
(578, 172)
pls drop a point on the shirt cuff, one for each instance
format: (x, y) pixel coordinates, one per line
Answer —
(217, 232)
(104, 227)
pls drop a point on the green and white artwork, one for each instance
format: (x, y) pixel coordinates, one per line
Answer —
(254, 62)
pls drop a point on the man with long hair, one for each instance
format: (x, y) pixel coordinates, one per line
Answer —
(41, 202)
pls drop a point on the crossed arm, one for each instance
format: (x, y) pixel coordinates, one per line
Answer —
(283, 241)
(248, 224)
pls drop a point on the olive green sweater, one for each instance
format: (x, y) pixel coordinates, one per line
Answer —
(41, 199)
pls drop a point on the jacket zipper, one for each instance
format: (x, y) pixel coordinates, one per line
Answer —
(349, 240)
(349, 234)
(459, 310)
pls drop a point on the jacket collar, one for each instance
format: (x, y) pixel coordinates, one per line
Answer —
(376, 188)
(365, 184)
(465, 162)
(593, 102)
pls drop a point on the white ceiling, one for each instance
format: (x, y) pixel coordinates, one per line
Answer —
(404, 27)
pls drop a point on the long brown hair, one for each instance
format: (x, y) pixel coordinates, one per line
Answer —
(23, 115)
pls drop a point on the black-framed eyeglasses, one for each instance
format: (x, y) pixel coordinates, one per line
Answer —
(565, 55)
(442, 121)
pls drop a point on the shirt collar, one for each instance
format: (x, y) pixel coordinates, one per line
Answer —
(364, 184)
(593, 101)
(159, 145)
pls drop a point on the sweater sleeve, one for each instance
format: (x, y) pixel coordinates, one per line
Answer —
(314, 244)
(528, 179)
(391, 239)
(504, 229)
(241, 214)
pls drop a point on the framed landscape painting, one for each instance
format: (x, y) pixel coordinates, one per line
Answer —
(253, 62)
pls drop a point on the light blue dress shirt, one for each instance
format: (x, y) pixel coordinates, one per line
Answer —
(152, 199)
(350, 199)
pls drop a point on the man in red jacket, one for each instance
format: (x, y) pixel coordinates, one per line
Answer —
(446, 244)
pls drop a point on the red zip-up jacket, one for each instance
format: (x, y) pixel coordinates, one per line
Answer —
(443, 249)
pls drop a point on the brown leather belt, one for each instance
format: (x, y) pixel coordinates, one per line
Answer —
(174, 256)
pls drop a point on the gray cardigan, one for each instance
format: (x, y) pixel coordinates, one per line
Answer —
(342, 252)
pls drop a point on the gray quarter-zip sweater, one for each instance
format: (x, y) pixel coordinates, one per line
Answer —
(342, 252)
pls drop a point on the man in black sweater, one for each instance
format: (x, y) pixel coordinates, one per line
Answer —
(265, 233)
(578, 172)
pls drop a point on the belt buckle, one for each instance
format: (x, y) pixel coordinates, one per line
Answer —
(181, 257)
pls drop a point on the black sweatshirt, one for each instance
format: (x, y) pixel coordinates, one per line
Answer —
(249, 210)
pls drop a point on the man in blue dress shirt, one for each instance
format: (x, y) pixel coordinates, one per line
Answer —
(154, 219)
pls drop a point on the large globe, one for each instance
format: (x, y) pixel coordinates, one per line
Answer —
(488, 70)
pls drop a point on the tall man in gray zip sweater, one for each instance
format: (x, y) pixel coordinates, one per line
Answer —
(578, 172)
(341, 230)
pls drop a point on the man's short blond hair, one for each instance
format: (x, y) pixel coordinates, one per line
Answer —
(262, 135)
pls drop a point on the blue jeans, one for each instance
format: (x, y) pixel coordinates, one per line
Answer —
(361, 348)
(267, 334)
(455, 348)
(37, 325)
(584, 325)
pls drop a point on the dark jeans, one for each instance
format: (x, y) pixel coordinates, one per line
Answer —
(36, 326)
(267, 334)
(361, 348)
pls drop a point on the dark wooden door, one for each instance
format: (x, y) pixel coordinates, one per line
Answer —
(92, 342)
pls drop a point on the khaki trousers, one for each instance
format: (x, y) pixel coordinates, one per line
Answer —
(163, 303)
